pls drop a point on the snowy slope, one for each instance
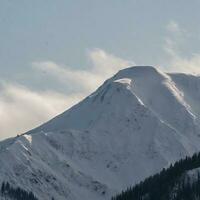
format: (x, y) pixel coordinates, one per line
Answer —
(136, 123)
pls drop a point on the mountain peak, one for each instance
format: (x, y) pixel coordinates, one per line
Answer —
(144, 85)
(141, 68)
(141, 72)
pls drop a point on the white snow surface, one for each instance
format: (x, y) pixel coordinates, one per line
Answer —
(136, 123)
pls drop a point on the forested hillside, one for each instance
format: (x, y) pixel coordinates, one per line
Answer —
(9, 192)
(173, 183)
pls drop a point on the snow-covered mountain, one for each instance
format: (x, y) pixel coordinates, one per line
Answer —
(136, 123)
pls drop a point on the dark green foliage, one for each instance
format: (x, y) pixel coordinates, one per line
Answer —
(16, 193)
(167, 185)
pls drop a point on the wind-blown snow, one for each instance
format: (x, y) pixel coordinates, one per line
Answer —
(136, 123)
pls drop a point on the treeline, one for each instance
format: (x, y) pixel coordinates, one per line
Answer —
(167, 184)
(16, 193)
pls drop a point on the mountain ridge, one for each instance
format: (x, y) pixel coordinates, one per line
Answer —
(139, 121)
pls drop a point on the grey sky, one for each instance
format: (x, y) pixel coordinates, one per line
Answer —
(39, 40)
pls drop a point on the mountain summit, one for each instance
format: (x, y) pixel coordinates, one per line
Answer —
(136, 123)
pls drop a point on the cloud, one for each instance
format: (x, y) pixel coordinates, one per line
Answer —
(174, 27)
(187, 65)
(103, 65)
(77, 79)
(174, 45)
(22, 109)
(106, 64)
(175, 38)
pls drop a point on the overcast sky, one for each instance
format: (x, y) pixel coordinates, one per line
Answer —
(54, 53)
